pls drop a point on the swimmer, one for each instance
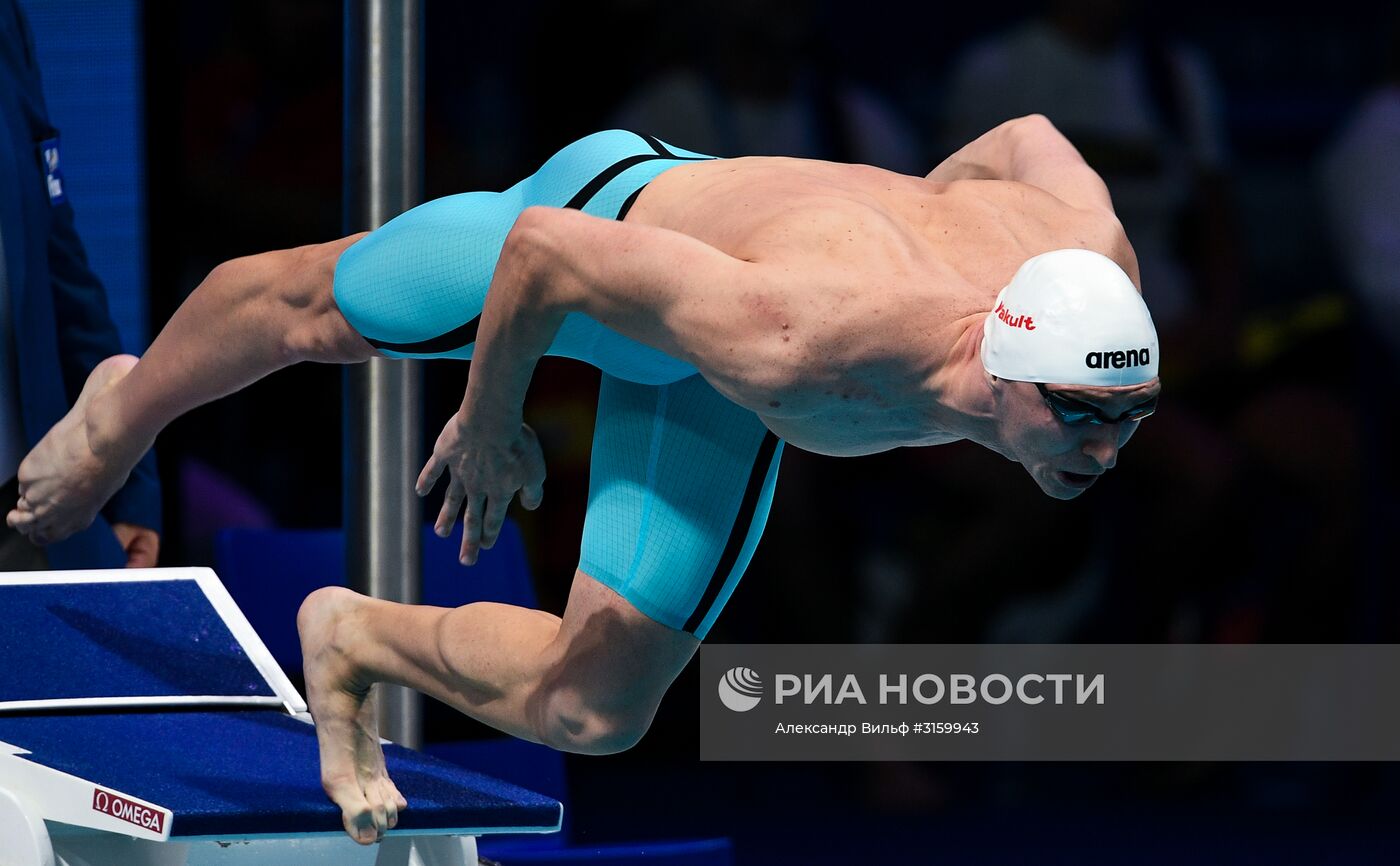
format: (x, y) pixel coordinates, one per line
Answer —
(733, 306)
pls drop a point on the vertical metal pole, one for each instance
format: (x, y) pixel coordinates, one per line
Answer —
(383, 176)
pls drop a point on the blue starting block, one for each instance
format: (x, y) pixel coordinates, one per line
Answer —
(143, 723)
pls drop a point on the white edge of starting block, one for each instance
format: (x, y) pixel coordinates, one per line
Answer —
(474, 832)
(59, 796)
(253, 645)
(223, 604)
(144, 702)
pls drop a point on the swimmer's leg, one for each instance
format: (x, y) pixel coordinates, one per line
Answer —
(255, 315)
(588, 683)
(682, 481)
(248, 318)
(416, 286)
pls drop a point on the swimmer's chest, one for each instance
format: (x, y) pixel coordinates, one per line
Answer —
(852, 431)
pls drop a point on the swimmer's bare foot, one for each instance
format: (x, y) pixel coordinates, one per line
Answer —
(342, 705)
(67, 477)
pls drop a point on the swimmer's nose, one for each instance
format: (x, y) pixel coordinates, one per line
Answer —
(1102, 448)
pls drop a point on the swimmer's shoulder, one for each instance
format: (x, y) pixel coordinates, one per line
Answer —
(1041, 222)
(1089, 228)
(1103, 233)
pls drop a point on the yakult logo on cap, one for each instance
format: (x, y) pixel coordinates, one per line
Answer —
(123, 809)
(1006, 318)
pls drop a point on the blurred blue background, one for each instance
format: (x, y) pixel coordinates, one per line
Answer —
(94, 81)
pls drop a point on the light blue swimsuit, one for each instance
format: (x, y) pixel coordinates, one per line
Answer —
(681, 479)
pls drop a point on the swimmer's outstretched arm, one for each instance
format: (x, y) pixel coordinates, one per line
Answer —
(659, 287)
(249, 317)
(1029, 150)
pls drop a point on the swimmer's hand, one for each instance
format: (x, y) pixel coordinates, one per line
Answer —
(487, 470)
(142, 545)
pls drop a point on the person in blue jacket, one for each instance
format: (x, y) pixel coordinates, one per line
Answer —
(54, 323)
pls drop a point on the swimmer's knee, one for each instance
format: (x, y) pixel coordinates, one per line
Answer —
(304, 297)
(602, 678)
(589, 721)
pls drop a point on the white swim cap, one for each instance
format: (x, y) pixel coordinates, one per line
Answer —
(1071, 317)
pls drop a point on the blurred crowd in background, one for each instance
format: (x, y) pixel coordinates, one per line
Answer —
(1253, 158)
